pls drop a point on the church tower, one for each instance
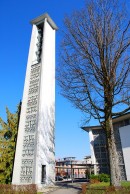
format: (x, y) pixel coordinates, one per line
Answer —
(35, 152)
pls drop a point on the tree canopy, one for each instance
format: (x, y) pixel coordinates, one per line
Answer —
(95, 56)
(8, 137)
(94, 68)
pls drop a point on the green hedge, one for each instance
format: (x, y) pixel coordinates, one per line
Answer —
(100, 177)
(18, 189)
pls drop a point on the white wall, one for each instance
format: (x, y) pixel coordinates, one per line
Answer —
(46, 114)
(44, 137)
(92, 151)
(125, 141)
(19, 145)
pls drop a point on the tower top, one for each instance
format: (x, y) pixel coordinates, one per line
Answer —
(39, 20)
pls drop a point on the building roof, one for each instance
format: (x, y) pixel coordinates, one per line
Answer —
(91, 127)
(87, 157)
(66, 159)
(115, 120)
(39, 20)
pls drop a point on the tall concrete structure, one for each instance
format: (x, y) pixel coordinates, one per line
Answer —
(35, 155)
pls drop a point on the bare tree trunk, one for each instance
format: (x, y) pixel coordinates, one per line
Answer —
(95, 66)
(113, 156)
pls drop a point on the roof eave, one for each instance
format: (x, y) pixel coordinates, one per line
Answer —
(41, 19)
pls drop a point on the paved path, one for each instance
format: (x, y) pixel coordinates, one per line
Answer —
(66, 191)
(67, 188)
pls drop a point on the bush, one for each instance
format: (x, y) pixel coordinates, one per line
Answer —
(18, 189)
(104, 177)
(100, 177)
(94, 178)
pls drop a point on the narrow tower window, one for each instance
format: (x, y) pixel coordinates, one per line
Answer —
(43, 175)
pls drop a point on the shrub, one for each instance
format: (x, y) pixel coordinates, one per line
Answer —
(104, 177)
(100, 177)
(94, 178)
(18, 189)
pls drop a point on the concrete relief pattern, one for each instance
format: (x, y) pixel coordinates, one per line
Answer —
(48, 138)
(119, 149)
(28, 151)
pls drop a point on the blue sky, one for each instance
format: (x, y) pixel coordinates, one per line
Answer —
(15, 32)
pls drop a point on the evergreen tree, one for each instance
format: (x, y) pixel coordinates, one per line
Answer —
(8, 137)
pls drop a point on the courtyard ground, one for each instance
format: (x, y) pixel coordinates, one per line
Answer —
(65, 187)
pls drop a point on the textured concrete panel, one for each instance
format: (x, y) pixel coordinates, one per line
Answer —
(125, 141)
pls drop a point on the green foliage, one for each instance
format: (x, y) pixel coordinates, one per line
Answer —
(100, 177)
(104, 177)
(125, 183)
(109, 190)
(101, 184)
(105, 188)
(8, 137)
(93, 176)
(106, 184)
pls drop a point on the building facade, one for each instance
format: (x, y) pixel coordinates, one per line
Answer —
(35, 152)
(72, 168)
(99, 153)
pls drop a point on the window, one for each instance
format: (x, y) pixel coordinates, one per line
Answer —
(43, 175)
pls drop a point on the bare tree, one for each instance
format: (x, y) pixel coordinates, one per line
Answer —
(95, 64)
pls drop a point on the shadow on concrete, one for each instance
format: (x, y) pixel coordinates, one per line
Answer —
(78, 180)
(75, 184)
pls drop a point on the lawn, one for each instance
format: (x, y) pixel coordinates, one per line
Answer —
(104, 188)
(103, 184)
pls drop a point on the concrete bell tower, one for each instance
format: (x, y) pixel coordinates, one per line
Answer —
(35, 151)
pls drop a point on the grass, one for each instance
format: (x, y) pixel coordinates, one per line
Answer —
(103, 184)
(125, 183)
(105, 188)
